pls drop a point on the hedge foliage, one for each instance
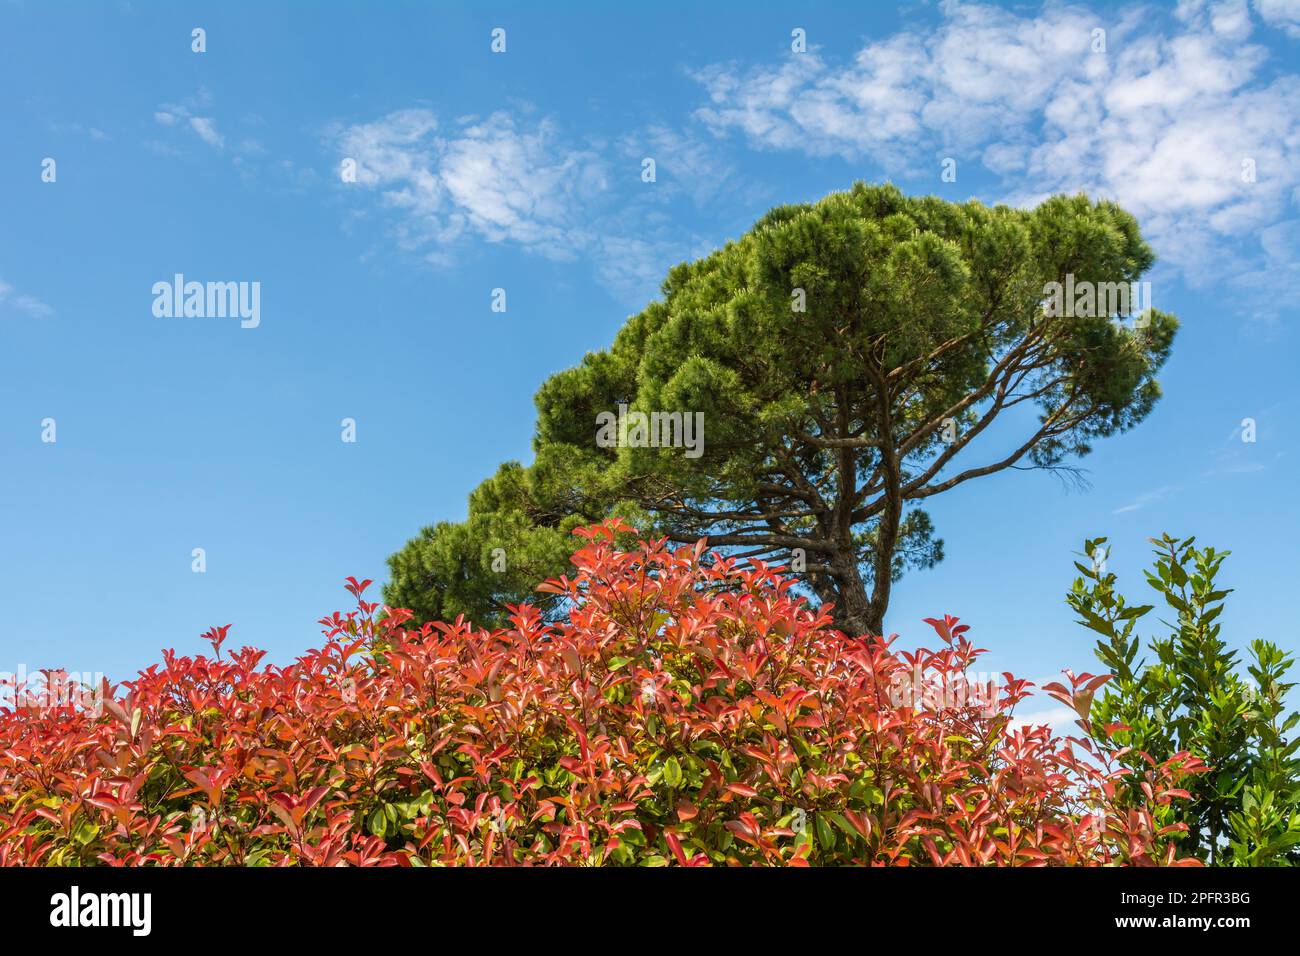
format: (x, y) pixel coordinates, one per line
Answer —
(690, 710)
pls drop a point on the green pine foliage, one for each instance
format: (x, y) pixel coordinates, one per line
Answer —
(846, 356)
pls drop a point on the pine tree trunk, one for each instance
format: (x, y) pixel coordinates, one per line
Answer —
(854, 614)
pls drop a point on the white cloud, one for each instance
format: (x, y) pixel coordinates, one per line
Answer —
(206, 129)
(516, 179)
(21, 302)
(188, 113)
(512, 184)
(1147, 498)
(984, 69)
(1228, 18)
(1166, 122)
(1283, 14)
(685, 163)
(489, 177)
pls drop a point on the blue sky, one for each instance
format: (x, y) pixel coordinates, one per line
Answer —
(521, 170)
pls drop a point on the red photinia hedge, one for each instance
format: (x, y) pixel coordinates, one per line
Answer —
(690, 711)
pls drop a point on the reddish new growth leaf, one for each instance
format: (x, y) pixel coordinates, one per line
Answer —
(689, 712)
(216, 636)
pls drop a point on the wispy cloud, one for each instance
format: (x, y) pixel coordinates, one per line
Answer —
(490, 177)
(1186, 127)
(1249, 448)
(195, 115)
(508, 178)
(1283, 14)
(206, 128)
(1149, 497)
(191, 113)
(80, 129)
(12, 299)
(1176, 116)
(683, 163)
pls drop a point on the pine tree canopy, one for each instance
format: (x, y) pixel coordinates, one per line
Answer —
(817, 380)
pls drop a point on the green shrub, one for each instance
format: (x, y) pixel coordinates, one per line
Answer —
(1193, 697)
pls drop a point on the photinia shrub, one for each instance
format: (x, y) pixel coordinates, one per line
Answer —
(689, 711)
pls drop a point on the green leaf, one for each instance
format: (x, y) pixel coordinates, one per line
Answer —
(825, 835)
(673, 772)
(86, 832)
(839, 820)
